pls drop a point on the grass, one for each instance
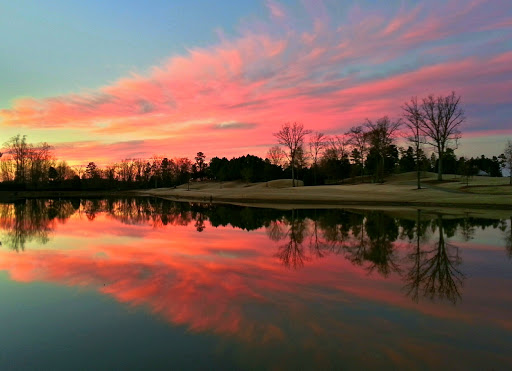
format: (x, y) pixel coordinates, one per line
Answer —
(398, 190)
(502, 189)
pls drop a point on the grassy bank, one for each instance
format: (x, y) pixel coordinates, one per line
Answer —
(483, 194)
(399, 190)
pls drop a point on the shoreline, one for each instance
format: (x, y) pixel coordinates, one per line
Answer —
(279, 194)
(13, 196)
(392, 194)
(275, 202)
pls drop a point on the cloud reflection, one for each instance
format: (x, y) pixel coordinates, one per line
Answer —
(149, 253)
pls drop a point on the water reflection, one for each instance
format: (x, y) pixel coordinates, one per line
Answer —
(430, 268)
(327, 282)
(32, 220)
(434, 269)
(507, 236)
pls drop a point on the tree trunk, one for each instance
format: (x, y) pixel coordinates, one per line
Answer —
(440, 166)
(362, 169)
(418, 175)
(381, 174)
(441, 233)
(418, 229)
(293, 179)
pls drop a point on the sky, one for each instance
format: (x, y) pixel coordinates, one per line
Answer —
(103, 82)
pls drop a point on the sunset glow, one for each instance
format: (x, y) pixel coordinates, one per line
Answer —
(326, 64)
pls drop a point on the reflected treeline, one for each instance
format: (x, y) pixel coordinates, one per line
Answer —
(34, 219)
(25, 221)
(418, 249)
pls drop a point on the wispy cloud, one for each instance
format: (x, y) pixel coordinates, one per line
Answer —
(275, 9)
(330, 76)
(234, 125)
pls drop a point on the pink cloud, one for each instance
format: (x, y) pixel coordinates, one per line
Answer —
(275, 9)
(320, 77)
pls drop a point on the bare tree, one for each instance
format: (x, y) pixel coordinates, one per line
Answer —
(276, 156)
(126, 170)
(338, 146)
(380, 136)
(292, 137)
(79, 170)
(19, 150)
(508, 159)
(7, 169)
(40, 161)
(439, 122)
(301, 161)
(139, 169)
(358, 139)
(415, 136)
(64, 171)
(317, 144)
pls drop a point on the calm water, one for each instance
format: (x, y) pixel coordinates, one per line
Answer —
(133, 284)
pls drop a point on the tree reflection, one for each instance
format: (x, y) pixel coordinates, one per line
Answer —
(365, 238)
(357, 250)
(382, 231)
(508, 238)
(31, 220)
(434, 272)
(316, 245)
(292, 252)
(413, 277)
(199, 222)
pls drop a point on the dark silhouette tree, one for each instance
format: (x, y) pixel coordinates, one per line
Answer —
(292, 137)
(53, 174)
(317, 143)
(19, 150)
(166, 171)
(380, 136)
(91, 171)
(414, 135)
(440, 120)
(407, 160)
(276, 156)
(508, 159)
(200, 165)
(358, 139)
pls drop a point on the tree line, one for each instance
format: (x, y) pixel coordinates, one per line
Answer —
(367, 152)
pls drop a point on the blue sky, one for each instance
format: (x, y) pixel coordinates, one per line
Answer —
(99, 75)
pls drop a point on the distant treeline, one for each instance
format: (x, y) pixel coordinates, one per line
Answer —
(26, 166)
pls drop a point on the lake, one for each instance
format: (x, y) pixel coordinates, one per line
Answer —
(153, 284)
